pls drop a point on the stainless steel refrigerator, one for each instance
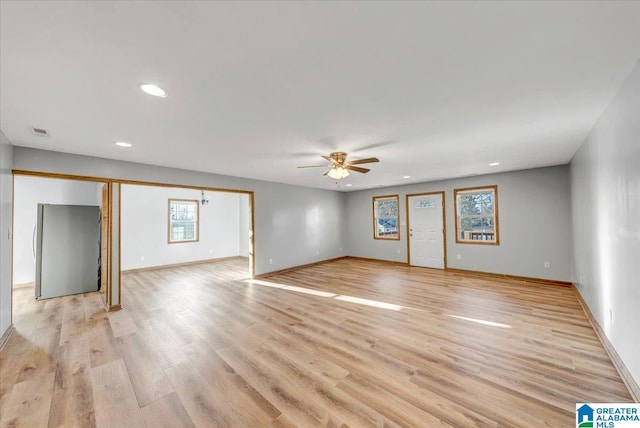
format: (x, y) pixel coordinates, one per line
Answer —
(67, 250)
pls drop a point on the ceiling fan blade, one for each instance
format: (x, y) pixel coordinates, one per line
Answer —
(312, 166)
(357, 169)
(333, 161)
(367, 160)
(373, 145)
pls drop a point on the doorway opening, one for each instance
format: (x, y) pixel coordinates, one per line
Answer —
(57, 225)
(181, 227)
(107, 194)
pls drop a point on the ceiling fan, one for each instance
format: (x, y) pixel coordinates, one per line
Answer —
(339, 167)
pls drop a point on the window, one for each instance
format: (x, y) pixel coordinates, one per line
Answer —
(477, 215)
(385, 217)
(183, 220)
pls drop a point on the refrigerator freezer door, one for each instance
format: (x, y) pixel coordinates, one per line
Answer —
(68, 249)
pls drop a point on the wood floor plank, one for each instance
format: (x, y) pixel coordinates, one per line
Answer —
(113, 396)
(73, 320)
(122, 324)
(29, 403)
(72, 400)
(167, 412)
(102, 344)
(94, 308)
(237, 392)
(304, 355)
(282, 422)
(12, 359)
(166, 351)
(41, 357)
(173, 327)
(507, 407)
(206, 405)
(395, 408)
(293, 378)
(147, 378)
(296, 406)
(216, 334)
(52, 314)
(346, 343)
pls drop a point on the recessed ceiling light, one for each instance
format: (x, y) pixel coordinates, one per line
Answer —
(349, 185)
(494, 164)
(152, 89)
(122, 144)
(406, 176)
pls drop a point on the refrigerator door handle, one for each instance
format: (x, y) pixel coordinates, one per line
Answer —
(33, 241)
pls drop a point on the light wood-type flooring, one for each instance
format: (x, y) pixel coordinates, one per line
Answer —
(346, 343)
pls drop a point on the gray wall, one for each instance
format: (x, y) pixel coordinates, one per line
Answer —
(605, 184)
(293, 225)
(6, 220)
(534, 208)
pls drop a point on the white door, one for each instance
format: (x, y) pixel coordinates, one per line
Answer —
(426, 230)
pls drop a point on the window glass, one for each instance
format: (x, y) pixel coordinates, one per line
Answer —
(477, 215)
(385, 217)
(183, 220)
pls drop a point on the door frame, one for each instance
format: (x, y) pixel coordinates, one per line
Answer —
(105, 242)
(444, 223)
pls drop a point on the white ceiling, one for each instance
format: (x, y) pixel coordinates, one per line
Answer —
(435, 90)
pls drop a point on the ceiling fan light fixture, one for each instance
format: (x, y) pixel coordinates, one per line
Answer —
(338, 172)
(339, 167)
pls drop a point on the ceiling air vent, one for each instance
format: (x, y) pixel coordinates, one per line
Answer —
(40, 132)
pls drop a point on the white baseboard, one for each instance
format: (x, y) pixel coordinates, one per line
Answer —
(5, 337)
